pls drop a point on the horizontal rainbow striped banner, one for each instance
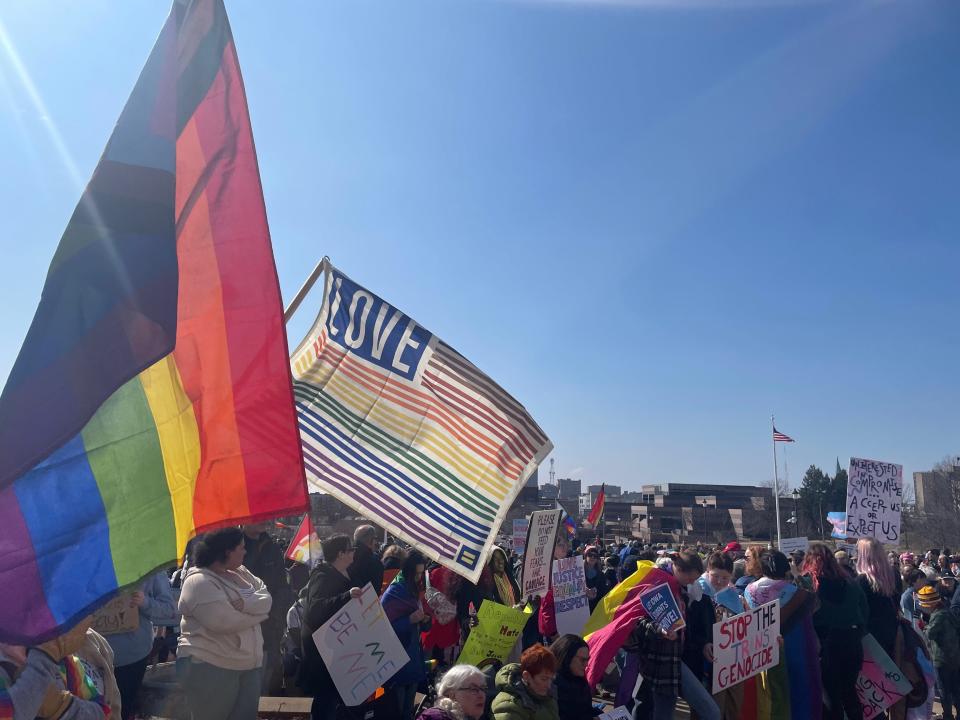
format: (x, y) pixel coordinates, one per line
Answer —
(402, 428)
(152, 397)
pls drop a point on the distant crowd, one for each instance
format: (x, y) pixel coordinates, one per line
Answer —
(238, 620)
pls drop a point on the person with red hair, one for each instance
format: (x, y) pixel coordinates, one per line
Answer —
(525, 688)
(840, 623)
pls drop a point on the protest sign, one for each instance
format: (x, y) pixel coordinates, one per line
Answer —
(520, 535)
(618, 713)
(570, 595)
(849, 548)
(541, 536)
(117, 616)
(662, 607)
(745, 645)
(360, 648)
(880, 683)
(789, 545)
(874, 497)
(498, 629)
(838, 521)
(730, 599)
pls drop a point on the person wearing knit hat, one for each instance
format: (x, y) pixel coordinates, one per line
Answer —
(943, 639)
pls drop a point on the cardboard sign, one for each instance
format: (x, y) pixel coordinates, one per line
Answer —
(618, 713)
(745, 645)
(874, 500)
(880, 683)
(117, 616)
(520, 535)
(499, 627)
(541, 537)
(789, 545)
(662, 607)
(570, 595)
(360, 648)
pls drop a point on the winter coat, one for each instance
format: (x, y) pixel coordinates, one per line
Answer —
(842, 606)
(574, 698)
(264, 558)
(213, 630)
(943, 637)
(435, 713)
(514, 701)
(366, 568)
(399, 602)
(882, 615)
(327, 591)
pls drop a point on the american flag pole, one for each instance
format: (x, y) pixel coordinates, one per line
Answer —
(776, 479)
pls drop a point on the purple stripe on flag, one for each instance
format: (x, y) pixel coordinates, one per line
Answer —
(18, 569)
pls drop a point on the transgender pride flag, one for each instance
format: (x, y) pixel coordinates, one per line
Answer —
(401, 427)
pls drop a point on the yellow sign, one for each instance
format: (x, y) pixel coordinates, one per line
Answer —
(493, 638)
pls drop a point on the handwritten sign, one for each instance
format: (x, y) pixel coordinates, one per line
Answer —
(541, 536)
(618, 713)
(117, 616)
(874, 499)
(360, 648)
(498, 629)
(520, 527)
(570, 595)
(745, 645)
(662, 607)
(789, 545)
(880, 683)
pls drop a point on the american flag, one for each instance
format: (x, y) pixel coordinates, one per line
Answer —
(780, 437)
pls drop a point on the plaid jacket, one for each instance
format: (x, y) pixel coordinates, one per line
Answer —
(659, 657)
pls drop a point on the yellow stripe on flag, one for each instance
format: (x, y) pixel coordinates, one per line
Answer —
(179, 440)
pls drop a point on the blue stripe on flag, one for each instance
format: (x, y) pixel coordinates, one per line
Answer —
(365, 462)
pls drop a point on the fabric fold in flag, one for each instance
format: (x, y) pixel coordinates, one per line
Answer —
(780, 437)
(616, 616)
(596, 512)
(160, 337)
(402, 428)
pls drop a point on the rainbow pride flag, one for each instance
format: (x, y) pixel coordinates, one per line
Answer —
(152, 396)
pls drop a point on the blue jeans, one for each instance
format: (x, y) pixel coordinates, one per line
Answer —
(697, 696)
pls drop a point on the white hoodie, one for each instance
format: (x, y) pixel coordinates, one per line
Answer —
(221, 618)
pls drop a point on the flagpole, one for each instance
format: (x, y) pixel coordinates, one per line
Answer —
(776, 481)
(305, 288)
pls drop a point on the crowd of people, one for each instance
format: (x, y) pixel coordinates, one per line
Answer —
(238, 620)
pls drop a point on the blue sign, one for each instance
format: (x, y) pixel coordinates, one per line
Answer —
(662, 608)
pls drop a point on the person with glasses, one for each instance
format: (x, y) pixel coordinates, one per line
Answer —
(573, 690)
(525, 688)
(596, 580)
(461, 695)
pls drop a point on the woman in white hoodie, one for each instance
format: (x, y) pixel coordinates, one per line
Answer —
(220, 653)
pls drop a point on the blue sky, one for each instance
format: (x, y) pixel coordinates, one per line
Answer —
(654, 223)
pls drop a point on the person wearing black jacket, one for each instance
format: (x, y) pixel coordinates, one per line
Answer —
(328, 590)
(573, 691)
(264, 558)
(366, 566)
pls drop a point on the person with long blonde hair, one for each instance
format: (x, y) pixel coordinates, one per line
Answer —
(882, 587)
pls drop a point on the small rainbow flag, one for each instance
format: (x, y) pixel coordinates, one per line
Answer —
(305, 546)
(596, 512)
(152, 397)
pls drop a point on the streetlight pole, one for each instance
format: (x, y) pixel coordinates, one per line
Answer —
(796, 514)
(706, 537)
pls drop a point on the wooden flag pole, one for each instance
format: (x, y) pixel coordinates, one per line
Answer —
(305, 289)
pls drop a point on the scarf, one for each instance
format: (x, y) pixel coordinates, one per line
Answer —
(505, 589)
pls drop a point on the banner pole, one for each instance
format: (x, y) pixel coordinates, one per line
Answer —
(305, 288)
(776, 481)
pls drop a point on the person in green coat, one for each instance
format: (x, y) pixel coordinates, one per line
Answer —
(525, 689)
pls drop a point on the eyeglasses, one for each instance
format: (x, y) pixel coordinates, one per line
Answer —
(473, 689)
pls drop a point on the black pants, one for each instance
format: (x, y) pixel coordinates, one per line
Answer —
(841, 656)
(129, 679)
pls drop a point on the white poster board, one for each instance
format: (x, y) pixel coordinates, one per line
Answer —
(570, 595)
(789, 545)
(520, 527)
(618, 713)
(541, 537)
(745, 645)
(874, 499)
(360, 648)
